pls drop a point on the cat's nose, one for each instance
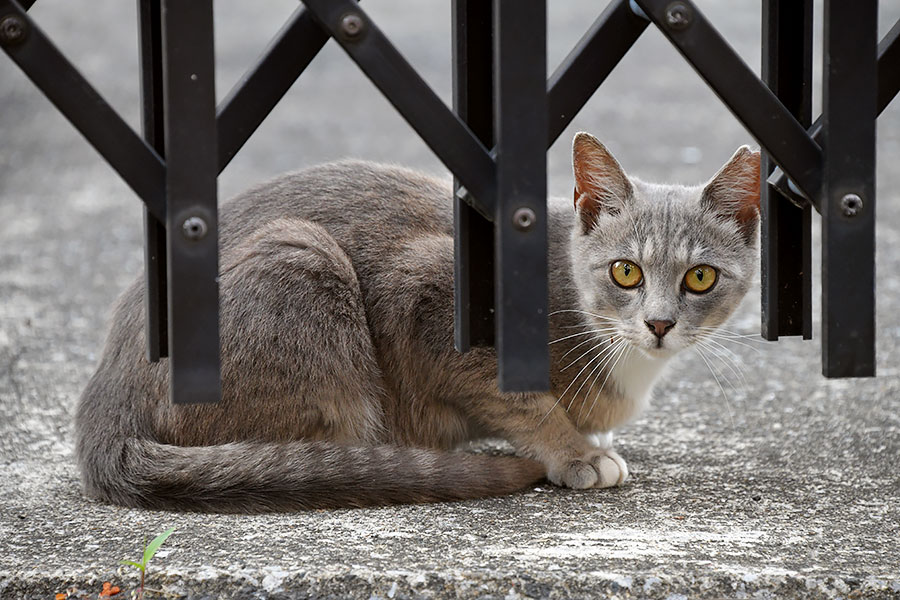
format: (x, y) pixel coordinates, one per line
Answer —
(660, 328)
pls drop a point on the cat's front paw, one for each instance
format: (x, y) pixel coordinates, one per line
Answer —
(603, 468)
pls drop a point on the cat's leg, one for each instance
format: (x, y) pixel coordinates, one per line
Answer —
(297, 354)
(542, 430)
(455, 396)
(571, 459)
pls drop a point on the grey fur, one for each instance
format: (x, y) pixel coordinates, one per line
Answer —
(341, 386)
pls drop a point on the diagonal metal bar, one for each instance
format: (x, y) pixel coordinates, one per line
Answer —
(888, 87)
(889, 67)
(447, 136)
(136, 162)
(251, 100)
(589, 63)
(754, 104)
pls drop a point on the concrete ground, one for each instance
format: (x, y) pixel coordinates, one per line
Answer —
(786, 485)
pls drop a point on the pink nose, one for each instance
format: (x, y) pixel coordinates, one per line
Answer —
(660, 328)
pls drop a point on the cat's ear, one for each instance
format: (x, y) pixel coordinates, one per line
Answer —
(733, 192)
(600, 183)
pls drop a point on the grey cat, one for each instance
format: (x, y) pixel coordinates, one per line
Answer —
(341, 386)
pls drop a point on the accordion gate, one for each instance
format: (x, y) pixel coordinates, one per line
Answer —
(505, 115)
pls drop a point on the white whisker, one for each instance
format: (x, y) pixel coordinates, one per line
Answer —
(734, 341)
(599, 371)
(730, 337)
(587, 393)
(626, 349)
(576, 346)
(584, 312)
(574, 379)
(585, 354)
(609, 359)
(608, 352)
(724, 395)
(716, 354)
(603, 330)
(727, 356)
(609, 325)
(725, 333)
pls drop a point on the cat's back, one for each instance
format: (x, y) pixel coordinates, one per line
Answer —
(359, 203)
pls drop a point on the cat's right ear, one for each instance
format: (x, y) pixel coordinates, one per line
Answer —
(600, 183)
(733, 192)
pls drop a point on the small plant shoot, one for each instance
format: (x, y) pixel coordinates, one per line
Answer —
(149, 551)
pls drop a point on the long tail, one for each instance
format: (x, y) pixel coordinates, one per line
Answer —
(262, 477)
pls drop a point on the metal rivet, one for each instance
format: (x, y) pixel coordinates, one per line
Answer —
(194, 228)
(351, 25)
(12, 30)
(851, 205)
(679, 15)
(523, 219)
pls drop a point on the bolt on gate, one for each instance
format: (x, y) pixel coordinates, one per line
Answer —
(505, 115)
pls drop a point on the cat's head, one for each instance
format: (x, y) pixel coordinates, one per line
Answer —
(660, 265)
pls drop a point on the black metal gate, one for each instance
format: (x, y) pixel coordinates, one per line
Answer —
(505, 114)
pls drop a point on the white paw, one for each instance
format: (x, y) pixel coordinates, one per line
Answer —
(612, 469)
(604, 468)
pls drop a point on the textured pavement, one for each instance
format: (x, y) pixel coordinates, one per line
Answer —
(786, 485)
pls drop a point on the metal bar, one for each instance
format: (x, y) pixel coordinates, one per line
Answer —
(754, 105)
(259, 90)
(190, 140)
(888, 67)
(447, 136)
(848, 188)
(155, 294)
(786, 229)
(589, 64)
(520, 125)
(141, 168)
(473, 234)
(888, 86)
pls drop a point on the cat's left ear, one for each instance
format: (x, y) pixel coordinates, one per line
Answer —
(733, 192)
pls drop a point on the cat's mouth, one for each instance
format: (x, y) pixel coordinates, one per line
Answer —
(658, 348)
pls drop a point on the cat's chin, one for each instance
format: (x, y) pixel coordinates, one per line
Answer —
(657, 353)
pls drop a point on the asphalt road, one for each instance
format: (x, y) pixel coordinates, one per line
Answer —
(786, 485)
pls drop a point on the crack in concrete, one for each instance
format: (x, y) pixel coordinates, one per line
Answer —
(10, 374)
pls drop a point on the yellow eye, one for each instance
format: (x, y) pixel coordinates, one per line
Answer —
(626, 274)
(700, 279)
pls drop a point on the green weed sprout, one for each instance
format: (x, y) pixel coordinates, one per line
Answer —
(149, 550)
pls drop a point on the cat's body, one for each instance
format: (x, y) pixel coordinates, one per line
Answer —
(341, 386)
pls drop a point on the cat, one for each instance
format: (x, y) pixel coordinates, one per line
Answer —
(341, 386)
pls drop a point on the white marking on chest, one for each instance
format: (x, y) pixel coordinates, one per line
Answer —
(635, 376)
